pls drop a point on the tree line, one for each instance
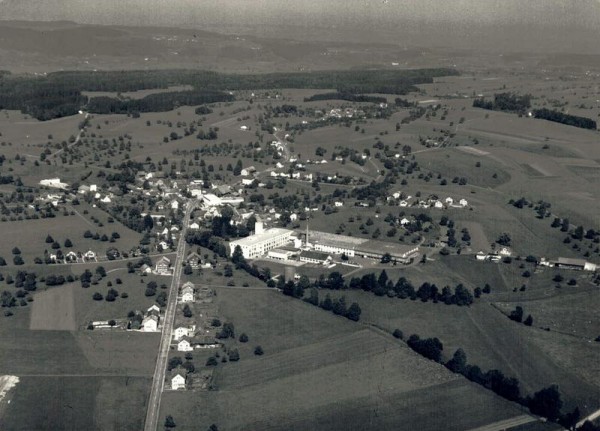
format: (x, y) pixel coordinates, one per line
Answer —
(346, 96)
(562, 118)
(546, 402)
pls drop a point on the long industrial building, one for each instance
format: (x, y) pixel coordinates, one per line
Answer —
(262, 241)
(360, 247)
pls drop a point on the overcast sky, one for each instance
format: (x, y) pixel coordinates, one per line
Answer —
(562, 18)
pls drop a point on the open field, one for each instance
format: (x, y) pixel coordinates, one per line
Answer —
(54, 309)
(367, 375)
(77, 402)
(489, 339)
(30, 235)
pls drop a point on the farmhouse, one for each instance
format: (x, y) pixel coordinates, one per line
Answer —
(150, 323)
(178, 382)
(262, 241)
(54, 183)
(183, 331)
(248, 171)
(89, 255)
(162, 265)
(315, 257)
(187, 292)
(193, 260)
(184, 346)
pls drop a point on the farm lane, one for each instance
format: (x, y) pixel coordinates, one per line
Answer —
(158, 382)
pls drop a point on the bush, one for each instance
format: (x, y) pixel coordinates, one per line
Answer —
(243, 338)
(258, 351)
(97, 296)
(211, 362)
(398, 334)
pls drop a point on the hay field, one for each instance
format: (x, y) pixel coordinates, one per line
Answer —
(54, 309)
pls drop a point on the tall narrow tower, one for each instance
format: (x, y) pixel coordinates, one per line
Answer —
(306, 233)
(258, 226)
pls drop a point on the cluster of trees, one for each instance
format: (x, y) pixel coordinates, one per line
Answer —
(336, 306)
(517, 316)
(569, 120)
(381, 285)
(508, 102)
(346, 96)
(240, 262)
(431, 348)
(206, 239)
(159, 102)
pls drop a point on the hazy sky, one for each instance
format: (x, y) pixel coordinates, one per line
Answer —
(584, 13)
(566, 22)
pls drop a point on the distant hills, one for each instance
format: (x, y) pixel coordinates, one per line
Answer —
(507, 25)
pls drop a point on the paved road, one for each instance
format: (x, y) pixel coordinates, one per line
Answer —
(158, 382)
(507, 423)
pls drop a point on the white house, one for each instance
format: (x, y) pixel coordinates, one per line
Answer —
(106, 200)
(178, 382)
(184, 346)
(449, 200)
(153, 309)
(247, 171)
(195, 226)
(403, 203)
(162, 265)
(247, 181)
(438, 205)
(89, 255)
(404, 221)
(505, 251)
(183, 331)
(481, 256)
(338, 204)
(463, 202)
(187, 293)
(150, 324)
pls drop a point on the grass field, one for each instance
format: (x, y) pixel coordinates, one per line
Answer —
(490, 340)
(54, 309)
(77, 403)
(324, 372)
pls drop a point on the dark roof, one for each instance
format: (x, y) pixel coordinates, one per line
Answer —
(317, 255)
(571, 262)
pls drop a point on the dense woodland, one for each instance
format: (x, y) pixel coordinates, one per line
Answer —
(569, 120)
(60, 94)
(507, 102)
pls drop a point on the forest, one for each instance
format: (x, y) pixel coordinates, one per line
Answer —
(59, 94)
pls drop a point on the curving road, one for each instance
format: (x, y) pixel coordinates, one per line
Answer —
(158, 382)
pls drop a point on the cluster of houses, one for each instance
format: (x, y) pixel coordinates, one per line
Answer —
(72, 257)
(431, 202)
(198, 333)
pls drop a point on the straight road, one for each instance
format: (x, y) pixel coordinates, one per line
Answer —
(507, 423)
(158, 382)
